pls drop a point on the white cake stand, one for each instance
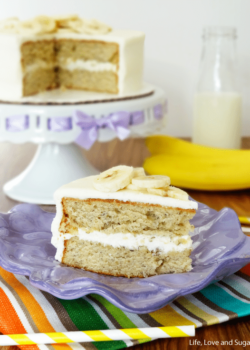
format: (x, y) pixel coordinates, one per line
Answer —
(58, 159)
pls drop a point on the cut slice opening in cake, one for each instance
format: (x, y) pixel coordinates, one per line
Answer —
(72, 64)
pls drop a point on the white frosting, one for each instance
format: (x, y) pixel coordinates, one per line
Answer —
(153, 243)
(130, 66)
(84, 189)
(38, 64)
(91, 65)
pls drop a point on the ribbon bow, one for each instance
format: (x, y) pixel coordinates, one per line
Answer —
(118, 122)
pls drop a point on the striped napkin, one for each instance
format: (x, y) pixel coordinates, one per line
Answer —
(25, 309)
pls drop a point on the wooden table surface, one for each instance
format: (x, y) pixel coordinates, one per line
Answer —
(14, 158)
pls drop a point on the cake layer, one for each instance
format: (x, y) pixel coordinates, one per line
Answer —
(82, 79)
(86, 50)
(38, 80)
(37, 51)
(122, 261)
(112, 216)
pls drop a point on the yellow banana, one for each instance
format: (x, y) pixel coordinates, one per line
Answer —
(159, 144)
(201, 172)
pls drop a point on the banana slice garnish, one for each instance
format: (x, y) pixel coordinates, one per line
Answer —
(153, 181)
(61, 21)
(39, 25)
(124, 177)
(89, 27)
(65, 24)
(114, 179)
(132, 187)
(177, 193)
(139, 172)
(159, 191)
(46, 24)
(9, 25)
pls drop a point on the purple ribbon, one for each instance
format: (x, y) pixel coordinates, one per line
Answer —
(118, 122)
(59, 124)
(17, 123)
(158, 112)
(137, 118)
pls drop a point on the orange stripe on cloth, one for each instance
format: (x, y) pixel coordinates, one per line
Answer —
(35, 310)
(9, 320)
(167, 316)
(246, 270)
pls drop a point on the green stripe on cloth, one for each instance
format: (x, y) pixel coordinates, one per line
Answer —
(86, 318)
(220, 297)
(118, 314)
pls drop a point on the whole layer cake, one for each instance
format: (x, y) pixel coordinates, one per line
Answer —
(68, 52)
(123, 223)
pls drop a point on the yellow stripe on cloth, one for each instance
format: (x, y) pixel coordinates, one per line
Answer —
(135, 333)
(167, 316)
(209, 318)
(21, 339)
(97, 335)
(174, 332)
(244, 220)
(60, 338)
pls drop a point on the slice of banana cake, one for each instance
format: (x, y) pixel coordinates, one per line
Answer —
(123, 223)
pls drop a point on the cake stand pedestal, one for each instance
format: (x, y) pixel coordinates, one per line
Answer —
(52, 166)
(58, 160)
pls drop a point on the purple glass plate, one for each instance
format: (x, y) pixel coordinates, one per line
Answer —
(219, 249)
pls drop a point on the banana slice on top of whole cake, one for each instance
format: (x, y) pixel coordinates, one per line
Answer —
(124, 223)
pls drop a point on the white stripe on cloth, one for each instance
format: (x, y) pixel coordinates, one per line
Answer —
(106, 319)
(232, 293)
(183, 314)
(238, 282)
(100, 313)
(48, 310)
(136, 320)
(17, 307)
(44, 347)
(221, 316)
(45, 305)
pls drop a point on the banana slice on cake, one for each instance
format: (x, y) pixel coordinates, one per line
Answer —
(132, 187)
(10, 25)
(39, 25)
(46, 24)
(177, 193)
(159, 191)
(154, 181)
(139, 172)
(114, 179)
(61, 21)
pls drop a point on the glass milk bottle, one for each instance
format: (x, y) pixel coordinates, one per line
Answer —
(217, 102)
